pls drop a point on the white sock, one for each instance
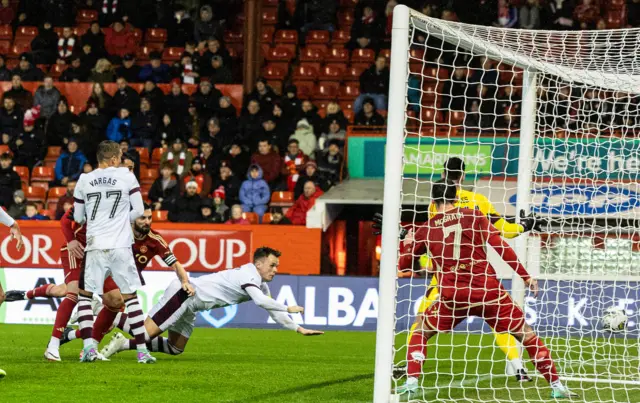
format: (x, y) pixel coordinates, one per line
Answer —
(412, 380)
(517, 364)
(90, 342)
(557, 384)
(54, 343)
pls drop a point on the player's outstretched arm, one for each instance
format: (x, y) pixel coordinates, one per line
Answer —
(14, 227)
(184, 278)
(137, 205)
(269, 304)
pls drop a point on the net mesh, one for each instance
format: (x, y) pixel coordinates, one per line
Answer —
(464, 99)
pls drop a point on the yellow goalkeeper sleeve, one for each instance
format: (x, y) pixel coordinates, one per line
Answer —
(508, 229)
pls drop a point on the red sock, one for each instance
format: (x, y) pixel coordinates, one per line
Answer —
(416, 354)
(39, 291)
(541, 358)
(64, 314)
(103, 323)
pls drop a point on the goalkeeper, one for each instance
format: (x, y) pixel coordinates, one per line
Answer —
(454, 170)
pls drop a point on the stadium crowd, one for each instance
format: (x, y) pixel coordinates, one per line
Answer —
(199, 158)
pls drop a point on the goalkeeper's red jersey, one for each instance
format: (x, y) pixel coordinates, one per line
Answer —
(456, 242)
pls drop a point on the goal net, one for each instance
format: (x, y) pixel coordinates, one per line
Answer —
(546, 122)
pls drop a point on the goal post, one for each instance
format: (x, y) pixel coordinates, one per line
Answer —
(548, 123)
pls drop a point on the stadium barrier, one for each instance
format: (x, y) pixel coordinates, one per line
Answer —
(351, 303)
(199, 247)
(77, 94)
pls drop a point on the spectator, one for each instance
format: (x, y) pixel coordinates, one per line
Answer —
(507, 15)
(144, 127)
(9, 180)
(120, 126)
(202, 177)
(129, 69)
(206, 26)
(237, 217)
(209, 160)
(76, 72)
(374, 83)
(317, 15)
(70, 163)
(180, 28)
(220, 209)
(5, 74)
(186, 71)
(283, 128)
(130, 157)
(306, 139)
(194, 126)
(227, 114)
(332, 166)
(214, 48)
(27, 71)
(633, 13)
(119, 41)
(294, 161)
(310, 173)
(87, 168)
(176, 103)
(207, 212)
(95, 39)
(61, 13)
(59, 126)
(250, 126)
(487, 75)
(335, 133)
(238, 157)
(95, 125)
(367, 27)
(165, 189)
(255, 192)
(530, 15)
(45, 45)
(101, 98)
(217, 137)
(298, 212)
(31, 213)
(206, 99)
(368, 116)
(103, 72)
(85, 139)
(19, 206)
(47, 97)
(191, 49)
(87, 56)
(22, 97)
(169, 131)
(587, 14)
(109, 12)
(180, 158)
(290, 102)
(125, 97)
(333, 112)
(10, 117)
(264, 94)
(28, 147)
(155, 70)
(277, 218)
(155, 97)
(308, 111)
(65, 198)
(187, 206)
(67, 45)
(219, 73)
(269, 131)
(229, 182)
(6, 13)
(269, 160)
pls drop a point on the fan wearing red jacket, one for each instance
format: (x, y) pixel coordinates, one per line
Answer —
(298, 212)
(455, 239)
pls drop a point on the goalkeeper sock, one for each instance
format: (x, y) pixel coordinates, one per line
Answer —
(541, 358)
(39, 291)
(509, 346)
(416, 353)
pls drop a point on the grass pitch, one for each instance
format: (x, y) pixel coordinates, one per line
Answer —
(242, 365)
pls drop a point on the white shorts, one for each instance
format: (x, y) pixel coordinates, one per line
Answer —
(176, 311)
(117, 263)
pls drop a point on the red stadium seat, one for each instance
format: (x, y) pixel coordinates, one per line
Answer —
(306, 89)
(282, 199)
(349, 4)
(340, 38)
(279, 54)
(160, 216)
(6, 32)
(273, 72)
(331, 72)
(233, 37)
(57, 70)
(156, 35)
(349, 114)
(86, 16)
(337, 55)
(156, 155)
(27, 32)
(386, 53)
(305, 73)
(312, 57)
(144, 156)
(35, 193)
(5, 149)
(286, 36)
(266, 218)
(252, 217)
(53, 152)
(143, 53)
(23, 173)
(42, 174)
(5, 47)
(455, 118)
(51, 213)
(267, 34)
(363, 56)
(172, 54)
(81, 29)
(269, 16)
(431, 115)
(345, 19)
(53, 196)
(148, 176)
(318, 37)
(19, 48)
(349, 91)
(326, 90)
(353, 73)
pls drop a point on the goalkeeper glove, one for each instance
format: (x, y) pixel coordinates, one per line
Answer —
(377, 226)
(531, 222)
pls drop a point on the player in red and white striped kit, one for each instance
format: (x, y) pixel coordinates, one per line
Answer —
(455, 239)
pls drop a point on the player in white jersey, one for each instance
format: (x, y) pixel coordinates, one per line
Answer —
(109, 199)
(176, 311)
(14, 232)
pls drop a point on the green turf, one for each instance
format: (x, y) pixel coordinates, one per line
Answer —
(237, 365)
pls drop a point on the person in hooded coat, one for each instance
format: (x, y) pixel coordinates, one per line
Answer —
(255, 192)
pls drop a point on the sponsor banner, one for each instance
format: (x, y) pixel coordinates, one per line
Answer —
(564, 308)
(620, 200)
(424, 156)
(200, 248)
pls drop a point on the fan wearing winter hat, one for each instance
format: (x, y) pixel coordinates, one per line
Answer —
(200, 176)
(306, 138)
(29, 144)
(219, 206)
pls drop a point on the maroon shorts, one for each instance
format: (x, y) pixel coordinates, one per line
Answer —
(502, 315)
(72, 267)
